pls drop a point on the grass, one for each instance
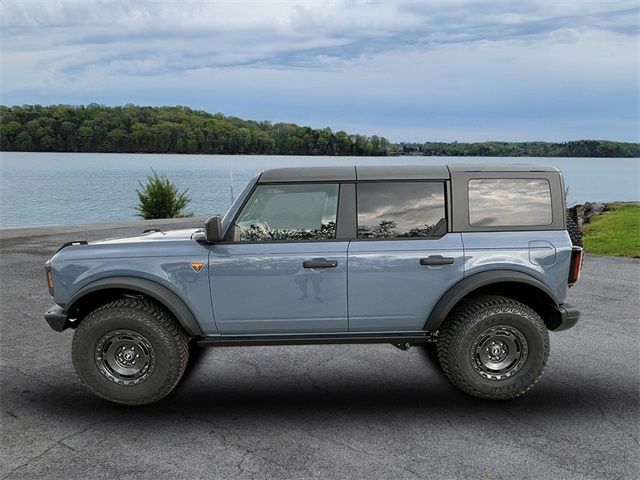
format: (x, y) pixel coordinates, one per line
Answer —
(615, 232)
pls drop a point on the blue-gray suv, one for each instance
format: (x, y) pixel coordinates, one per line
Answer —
(473, 262)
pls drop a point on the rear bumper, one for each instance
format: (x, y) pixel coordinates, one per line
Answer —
(56, 317)
(569, 316)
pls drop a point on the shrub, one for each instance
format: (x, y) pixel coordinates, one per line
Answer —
(160, 198)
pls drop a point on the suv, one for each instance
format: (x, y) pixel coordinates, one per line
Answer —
(474, 261)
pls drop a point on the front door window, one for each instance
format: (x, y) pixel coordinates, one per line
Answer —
(289, 212)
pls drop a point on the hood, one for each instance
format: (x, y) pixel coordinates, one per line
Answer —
(145, 245)
(155, 236)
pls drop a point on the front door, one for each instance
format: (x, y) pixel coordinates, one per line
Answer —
(282, 270)
(403, 259)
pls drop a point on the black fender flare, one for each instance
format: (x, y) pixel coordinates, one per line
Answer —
(468, 284)
(150, 288)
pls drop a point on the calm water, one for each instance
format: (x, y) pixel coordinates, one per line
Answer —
(39, 189)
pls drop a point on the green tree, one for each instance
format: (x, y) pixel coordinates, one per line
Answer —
(131, 128)
(24, 142)
(160, 198)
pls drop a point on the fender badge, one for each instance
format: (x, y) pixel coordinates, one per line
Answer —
(197, 266)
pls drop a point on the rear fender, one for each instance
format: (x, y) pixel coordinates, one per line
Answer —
(467, 286)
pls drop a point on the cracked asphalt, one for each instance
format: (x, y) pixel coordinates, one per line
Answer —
(365, 411)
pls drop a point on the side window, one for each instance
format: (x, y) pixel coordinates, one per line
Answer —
(509, 202)
(289, 212)
(399, 209)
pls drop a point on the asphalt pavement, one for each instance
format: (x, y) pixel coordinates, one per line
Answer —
(346, 411)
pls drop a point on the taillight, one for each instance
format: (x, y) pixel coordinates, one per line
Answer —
(576, 265)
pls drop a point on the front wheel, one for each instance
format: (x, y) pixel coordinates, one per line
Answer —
(493, 347)
(130, 351)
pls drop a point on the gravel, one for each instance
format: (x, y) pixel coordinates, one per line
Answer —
(346, 411)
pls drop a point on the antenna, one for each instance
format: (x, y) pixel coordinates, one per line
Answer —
(231, 181)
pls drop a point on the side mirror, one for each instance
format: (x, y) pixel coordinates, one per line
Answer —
(213, 229)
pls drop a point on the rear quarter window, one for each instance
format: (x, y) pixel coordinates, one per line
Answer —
(508, 202)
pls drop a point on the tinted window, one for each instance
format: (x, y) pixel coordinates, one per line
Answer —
(399, 209)
(509, 202)
(289, 212)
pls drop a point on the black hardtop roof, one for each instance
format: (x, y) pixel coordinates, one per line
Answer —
(385, 172)
(516, 167)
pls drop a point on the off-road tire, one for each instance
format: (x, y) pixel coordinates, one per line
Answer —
(153, 323)
(574, 233)
(469, 320)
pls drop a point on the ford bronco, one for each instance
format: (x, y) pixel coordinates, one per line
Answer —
(473, 262)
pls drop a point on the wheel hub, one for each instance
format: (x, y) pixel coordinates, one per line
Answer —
(499, 352)
(125, 357)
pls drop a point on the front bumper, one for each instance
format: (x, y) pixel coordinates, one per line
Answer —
(57, 319)
(569, 316)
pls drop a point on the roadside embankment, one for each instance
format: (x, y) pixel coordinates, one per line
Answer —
(610, 229)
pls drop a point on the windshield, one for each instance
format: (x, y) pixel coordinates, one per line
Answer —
(231, 213)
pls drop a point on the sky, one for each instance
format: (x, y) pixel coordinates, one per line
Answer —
(442, 70)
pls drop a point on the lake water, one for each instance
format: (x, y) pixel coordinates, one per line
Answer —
(41, 189)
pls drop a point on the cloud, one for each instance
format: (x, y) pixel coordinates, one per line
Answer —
(447, 66)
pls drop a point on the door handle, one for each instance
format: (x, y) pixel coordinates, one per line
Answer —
(320, 263)
(433, 260)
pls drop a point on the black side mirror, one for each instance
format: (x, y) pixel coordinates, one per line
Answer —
(213, 229)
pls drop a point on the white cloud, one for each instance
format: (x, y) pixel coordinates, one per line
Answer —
(480, 58)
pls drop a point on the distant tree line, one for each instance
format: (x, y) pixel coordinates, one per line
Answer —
(578, 148)
(134, 129)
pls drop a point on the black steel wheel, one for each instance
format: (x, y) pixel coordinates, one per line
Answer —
(130, 351)
(493, 347)
(125, 357)
(499, 352)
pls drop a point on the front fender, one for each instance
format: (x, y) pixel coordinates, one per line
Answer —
(168, 265)
(154, 290)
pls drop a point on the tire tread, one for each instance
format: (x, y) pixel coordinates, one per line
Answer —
(456, 326)
(574, 233)
(169, 331)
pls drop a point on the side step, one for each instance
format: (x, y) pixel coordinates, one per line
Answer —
(316, 339)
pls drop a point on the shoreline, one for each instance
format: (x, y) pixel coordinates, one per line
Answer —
(391, 155)
(185, 222)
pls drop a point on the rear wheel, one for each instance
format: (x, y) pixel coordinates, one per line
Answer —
(130, 351)
(493, 347)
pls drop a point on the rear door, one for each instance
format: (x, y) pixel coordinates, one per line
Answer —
(403, 259)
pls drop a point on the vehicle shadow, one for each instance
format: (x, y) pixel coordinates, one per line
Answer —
(325, 394)
(309, 400)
